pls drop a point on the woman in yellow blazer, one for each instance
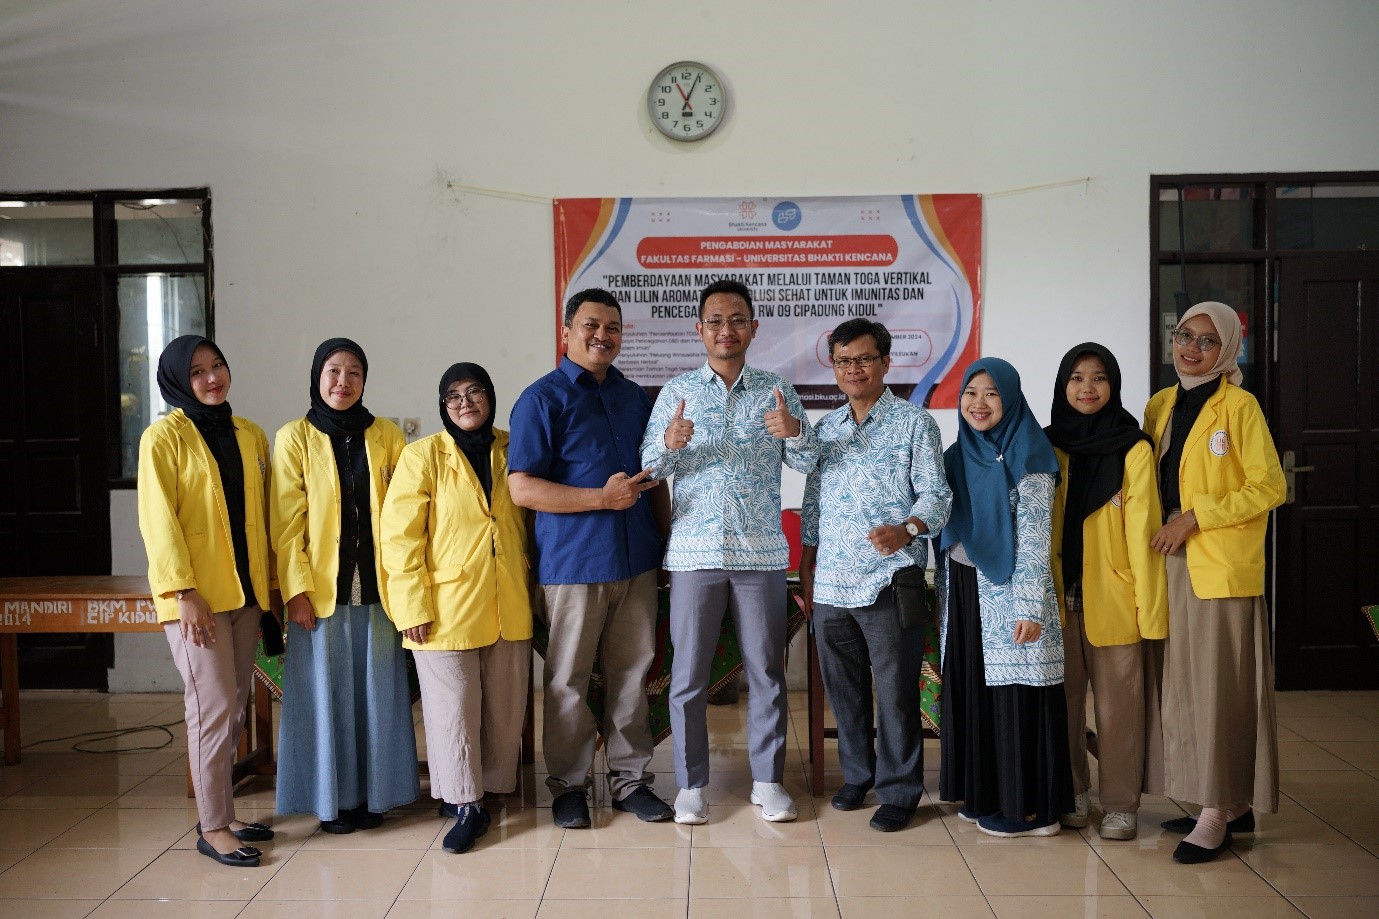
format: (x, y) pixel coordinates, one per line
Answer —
(1110, 583)
(203, 513)
(1219, 477)
(347, 749)
(455, 551)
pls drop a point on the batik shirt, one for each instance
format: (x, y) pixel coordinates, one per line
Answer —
(882, 471)
(726, 507)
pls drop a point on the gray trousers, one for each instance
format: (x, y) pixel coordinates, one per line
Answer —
(617, 621)
(698, 600)
(864, 648)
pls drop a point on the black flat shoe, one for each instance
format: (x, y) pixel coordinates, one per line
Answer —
(890, 818)
(1245, 823)
(446, 809)
(254, 832)
(1189, 854)
(251, 832)
(850, 797)
(341, 825)
(243, 857)
(365, 819)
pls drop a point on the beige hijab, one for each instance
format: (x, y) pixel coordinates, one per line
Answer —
(1227, 323)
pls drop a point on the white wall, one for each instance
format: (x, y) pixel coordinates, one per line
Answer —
(332, 135)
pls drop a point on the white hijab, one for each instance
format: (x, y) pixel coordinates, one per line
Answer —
(1227, 323)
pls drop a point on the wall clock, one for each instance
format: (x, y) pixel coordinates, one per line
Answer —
(687, 101)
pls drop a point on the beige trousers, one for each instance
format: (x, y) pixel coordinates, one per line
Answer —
(216, 682)
(615, 620)
(1220, 727)
(473, 704)
(1116, 674)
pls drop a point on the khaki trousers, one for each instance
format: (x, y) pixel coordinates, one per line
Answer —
(1220, 726)
(473, 704)
(1116, 674)
(216, 682)
(615, 620)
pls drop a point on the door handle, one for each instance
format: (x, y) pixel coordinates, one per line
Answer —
(1290, 472)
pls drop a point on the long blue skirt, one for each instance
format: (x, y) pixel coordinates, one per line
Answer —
(346, 737)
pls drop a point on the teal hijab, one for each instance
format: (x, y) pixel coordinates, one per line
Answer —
(983, 466)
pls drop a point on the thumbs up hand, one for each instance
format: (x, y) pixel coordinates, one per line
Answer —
(680, 430)
(779, 422)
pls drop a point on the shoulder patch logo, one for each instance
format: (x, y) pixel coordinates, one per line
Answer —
(1220, 443)
(1115, 499)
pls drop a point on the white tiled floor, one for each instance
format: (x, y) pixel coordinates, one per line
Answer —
(110, 835)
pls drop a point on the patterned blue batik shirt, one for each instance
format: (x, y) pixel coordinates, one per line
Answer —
(726, 508)
(882, 471)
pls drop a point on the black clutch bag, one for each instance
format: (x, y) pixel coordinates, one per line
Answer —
(271, 630)
(911, 596)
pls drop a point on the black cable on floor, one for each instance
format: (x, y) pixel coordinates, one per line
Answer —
(96, 737)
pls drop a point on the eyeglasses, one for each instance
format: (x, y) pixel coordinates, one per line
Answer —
(737, 323)
(474, 394)
(847, 363)
(1204, 342)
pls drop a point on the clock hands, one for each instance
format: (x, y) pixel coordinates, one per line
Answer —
(688, 109)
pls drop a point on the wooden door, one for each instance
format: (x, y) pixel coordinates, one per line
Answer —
(54, 496)
(1327, 426)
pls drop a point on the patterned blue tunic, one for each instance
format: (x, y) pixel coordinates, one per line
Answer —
(1027, 595)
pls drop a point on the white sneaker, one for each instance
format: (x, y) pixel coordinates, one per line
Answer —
(1117, 825)
(775, 802)
(690, 807)
(1077, 817)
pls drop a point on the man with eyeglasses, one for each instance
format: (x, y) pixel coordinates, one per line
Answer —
(879, 486)
(724, 431)
(600, 528)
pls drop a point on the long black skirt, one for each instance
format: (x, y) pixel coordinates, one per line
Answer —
(1004, 748)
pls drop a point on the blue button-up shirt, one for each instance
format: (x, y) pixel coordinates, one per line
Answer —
(569, 428)
(726, 507)
(884, 470)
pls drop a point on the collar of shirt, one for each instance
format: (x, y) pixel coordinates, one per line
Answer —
(582, 377)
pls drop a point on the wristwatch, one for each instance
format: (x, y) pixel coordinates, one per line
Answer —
(912, 529)
(179, 594)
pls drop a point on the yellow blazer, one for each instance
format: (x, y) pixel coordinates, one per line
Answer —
(1124, 591)
(452, 560)
(305, 510)
(184, 521)
(1231, 477)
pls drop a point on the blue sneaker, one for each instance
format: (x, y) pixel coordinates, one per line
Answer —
(472, 822)
(1001, 825)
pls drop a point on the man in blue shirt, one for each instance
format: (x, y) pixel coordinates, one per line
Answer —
(723, 431)
(599, 537)
(878, 487)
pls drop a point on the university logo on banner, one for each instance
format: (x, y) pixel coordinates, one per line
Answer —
(911, 262)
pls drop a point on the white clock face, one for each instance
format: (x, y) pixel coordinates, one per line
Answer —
(687, 101)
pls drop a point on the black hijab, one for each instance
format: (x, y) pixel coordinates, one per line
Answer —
(174, 381)
(476, 445)
(330, 421)
(1096, 446)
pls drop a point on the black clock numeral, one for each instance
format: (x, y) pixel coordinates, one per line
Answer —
(661, 102)
(668, 89)
(713, 100)
(665, 115)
